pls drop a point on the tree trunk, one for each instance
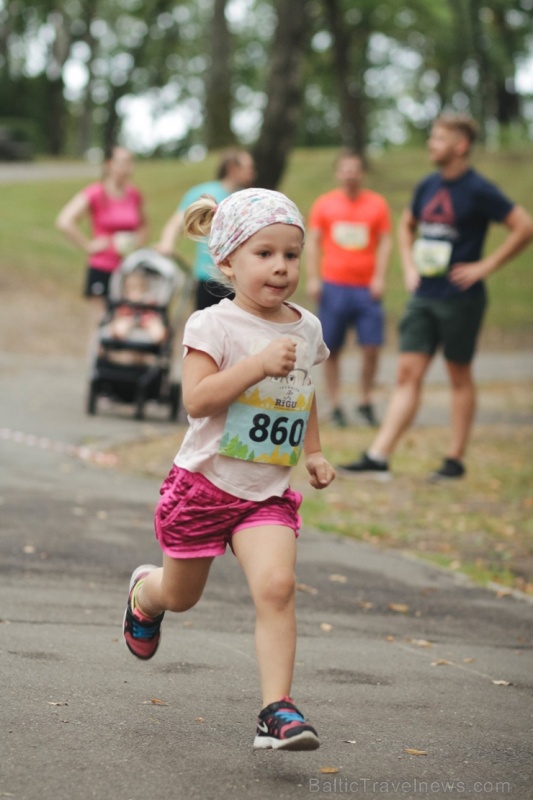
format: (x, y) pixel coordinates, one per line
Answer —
(284, 91)
(482, 99)
(55, 122)
(450, 67)
(112, 125)
(218, 94)
(508, 100)
(85, 121)
(350, 82)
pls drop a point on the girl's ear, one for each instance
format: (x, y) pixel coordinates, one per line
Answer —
(226, 268)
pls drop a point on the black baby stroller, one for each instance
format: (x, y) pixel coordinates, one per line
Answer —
(133, 352)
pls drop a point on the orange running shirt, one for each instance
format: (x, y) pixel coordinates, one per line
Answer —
(350, 230)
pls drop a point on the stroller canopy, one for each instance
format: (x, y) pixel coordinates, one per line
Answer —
(165, 276)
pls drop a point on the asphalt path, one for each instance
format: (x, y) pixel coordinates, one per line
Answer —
(394, 655)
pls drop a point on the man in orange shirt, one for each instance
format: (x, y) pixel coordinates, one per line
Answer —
(347, 254)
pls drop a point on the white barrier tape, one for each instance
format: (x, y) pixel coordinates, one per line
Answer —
(44, 443)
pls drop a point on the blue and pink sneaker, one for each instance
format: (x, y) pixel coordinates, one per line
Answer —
(280, 726)
(142, 634)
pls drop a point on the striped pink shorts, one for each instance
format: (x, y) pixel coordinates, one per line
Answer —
(195, 519)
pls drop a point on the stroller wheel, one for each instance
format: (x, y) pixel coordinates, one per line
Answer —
(92, 399)
(175, 400)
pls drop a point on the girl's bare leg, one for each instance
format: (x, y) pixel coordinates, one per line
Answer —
(176, 586)
(267, 555)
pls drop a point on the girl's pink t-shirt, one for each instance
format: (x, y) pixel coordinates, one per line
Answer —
(229, 334)
(110, 215)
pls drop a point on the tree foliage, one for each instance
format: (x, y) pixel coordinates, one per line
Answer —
(271, 73)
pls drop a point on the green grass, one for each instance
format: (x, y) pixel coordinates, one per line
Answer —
(32, 249)
(481, 526)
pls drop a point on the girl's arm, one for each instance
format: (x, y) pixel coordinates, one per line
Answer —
(321, 473)
(208, 391)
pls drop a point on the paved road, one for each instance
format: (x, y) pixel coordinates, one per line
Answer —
(29, 172)
(77, 719)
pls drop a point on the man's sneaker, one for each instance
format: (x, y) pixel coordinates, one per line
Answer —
(366, 412)
(450, 469)
(280, 726)
(338, 418)
(366, 466)
(142, 634)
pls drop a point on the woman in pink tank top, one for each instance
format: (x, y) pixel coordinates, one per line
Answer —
(114, 209)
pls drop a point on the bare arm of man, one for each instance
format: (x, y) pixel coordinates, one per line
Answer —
(520, 225)
(407, 229)
(313, 255)
(383, 254)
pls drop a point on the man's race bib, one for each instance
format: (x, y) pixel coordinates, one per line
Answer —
(267, 423)
(350, 235)
(432, 257)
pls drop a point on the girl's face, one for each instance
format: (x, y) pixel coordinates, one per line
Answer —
(265, 269)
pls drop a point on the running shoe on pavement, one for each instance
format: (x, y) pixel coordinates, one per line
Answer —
(142, 634)
(280, 726)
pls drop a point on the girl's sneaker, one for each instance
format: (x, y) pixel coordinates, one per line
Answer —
(142, 634)
(280, 726)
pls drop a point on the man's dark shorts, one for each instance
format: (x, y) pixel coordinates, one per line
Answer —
(97, 282)
(343, 307)
(452, 324)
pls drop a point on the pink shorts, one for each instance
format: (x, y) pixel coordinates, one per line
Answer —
(195, 519)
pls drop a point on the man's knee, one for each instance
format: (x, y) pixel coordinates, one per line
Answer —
(411, 369)
(460, 375)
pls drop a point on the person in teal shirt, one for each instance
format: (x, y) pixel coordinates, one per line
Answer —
(236, 170)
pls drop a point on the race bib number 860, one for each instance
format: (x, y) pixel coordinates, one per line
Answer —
(267, 424)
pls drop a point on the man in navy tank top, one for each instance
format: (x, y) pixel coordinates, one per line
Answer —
(441, 238)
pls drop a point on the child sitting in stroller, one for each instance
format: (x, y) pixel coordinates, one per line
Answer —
(132, 322)
(133, 359)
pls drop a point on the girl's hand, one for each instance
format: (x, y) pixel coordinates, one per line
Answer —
(321, 473)
(279, 357)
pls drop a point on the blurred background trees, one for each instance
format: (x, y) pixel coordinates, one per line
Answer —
(175, 78)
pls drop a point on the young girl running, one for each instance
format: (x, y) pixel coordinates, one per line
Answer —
(251, 408)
